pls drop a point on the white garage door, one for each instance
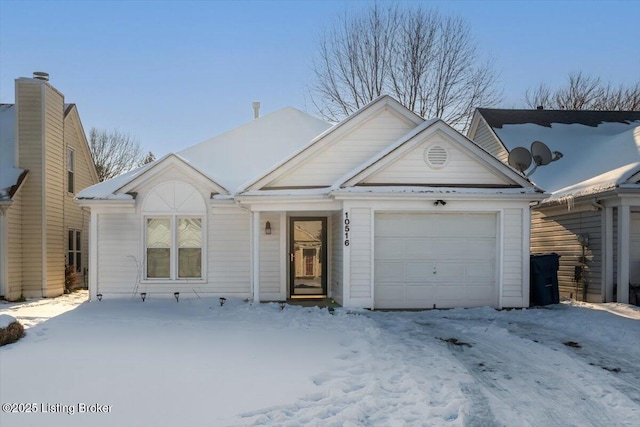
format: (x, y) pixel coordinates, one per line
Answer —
(446, 260)
(634, 261)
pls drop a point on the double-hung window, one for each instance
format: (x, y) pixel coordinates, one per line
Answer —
(74, 249)
(174, 248)
(71, 168)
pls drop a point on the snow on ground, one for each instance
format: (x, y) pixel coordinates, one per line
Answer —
(195, 363)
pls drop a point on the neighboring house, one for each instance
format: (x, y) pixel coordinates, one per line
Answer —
(44, 162)
(592, 217)
(382, 210)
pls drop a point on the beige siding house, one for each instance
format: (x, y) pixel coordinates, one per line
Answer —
(45, 161)
(382, 210)
(591, 218)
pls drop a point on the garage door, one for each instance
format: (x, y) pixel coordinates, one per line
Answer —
(634, 261)
(446, 260)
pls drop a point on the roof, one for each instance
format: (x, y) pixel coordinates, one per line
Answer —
(236, 156)
(622, 177)
(9, 174)
(592, 142)
(497, 118)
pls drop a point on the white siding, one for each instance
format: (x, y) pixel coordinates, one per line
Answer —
(360, 248)
(347, 152)
(120, 254)
(14, 252)
(270, 275)
(229, 252)
(513, 261)
(461, 168)
(337, 251)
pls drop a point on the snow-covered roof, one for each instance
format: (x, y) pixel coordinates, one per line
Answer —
(618, 178)
(9, 174)
(588, 150)
(248, 151)
(236, 156)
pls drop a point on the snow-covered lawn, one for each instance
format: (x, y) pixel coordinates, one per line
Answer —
(195, 363)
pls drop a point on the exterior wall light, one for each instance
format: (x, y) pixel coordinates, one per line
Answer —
(267, 228)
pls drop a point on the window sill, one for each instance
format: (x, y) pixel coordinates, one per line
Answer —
(172, 281)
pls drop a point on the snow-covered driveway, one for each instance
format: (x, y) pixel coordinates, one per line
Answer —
(195, 363)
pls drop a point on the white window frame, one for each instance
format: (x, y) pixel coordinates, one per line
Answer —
(75, 250)
(174, 250)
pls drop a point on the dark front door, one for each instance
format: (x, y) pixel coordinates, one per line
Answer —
(307, 256)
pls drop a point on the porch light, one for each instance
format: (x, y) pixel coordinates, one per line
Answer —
(222, 301)
(143, 295)
(99, 297)
(177, 295)
(267, 228)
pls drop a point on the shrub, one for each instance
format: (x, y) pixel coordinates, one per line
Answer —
(71, 278)
(12, 333)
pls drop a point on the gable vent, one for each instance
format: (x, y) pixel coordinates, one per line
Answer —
(436, 156)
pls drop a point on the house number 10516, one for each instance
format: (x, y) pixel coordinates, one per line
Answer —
(346, 228)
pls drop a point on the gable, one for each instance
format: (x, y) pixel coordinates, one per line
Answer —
(76, 139)
(483, 136)
(436, 156)
(348, 145)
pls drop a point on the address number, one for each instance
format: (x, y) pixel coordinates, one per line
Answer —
(347, 222)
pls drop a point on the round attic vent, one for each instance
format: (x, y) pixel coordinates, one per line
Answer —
(436, 156)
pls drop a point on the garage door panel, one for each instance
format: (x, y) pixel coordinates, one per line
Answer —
(461, 248)
(390, 248)
(390, 225)
(390, 272)
(449, 271)
(420, 248)
(418, 272)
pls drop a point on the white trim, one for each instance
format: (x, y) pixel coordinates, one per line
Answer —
(4, 243)
(284, 257)
(372, 257)
(256, 256)
(346, 266)
(526, 256)
(624, 239)
(93, 256)
(607, 254)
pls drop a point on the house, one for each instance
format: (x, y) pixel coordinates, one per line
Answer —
(382, 210)
(592, 216)
(44, 162)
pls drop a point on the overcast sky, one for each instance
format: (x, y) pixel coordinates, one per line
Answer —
(174, 73)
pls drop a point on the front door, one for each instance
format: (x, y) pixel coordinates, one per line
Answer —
(307, 257)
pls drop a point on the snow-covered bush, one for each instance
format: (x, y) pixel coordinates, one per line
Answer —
(10, 329)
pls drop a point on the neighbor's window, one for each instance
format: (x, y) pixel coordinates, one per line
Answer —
(74, 251)
(70, 170)
(174, 248)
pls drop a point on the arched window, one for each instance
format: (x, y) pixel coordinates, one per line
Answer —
(174, 214)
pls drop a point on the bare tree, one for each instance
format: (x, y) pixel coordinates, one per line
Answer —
(429, 62)
(584, 92)
(115, 152)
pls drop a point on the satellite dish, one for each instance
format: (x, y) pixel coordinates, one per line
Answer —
(541, 153)
(520, 158)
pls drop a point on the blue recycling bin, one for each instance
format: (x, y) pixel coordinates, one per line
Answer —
(543, 278)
